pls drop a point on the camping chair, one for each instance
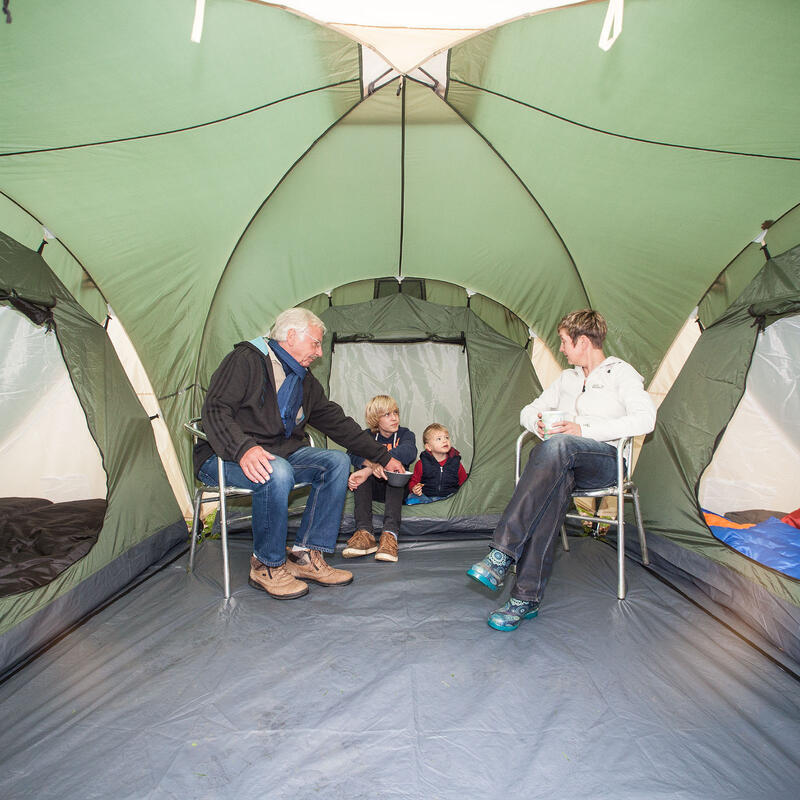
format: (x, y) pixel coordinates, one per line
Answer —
(205, 493)
(623, 489)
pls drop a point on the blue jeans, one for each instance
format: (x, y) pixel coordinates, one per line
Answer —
(529, 527)
(325, 470)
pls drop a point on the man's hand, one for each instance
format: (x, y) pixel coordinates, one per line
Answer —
(571, 428)
(358, 477)
(540, 426)
(394, 466)
(255, 464)
(417, 489)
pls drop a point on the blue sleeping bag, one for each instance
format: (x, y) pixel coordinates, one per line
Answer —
(772, 543)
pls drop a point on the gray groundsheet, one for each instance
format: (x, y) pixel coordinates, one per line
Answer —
(395, 687)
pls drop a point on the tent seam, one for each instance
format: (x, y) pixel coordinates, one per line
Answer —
(622, 135)
(184, 129)
(529, 192)
(274, 189)
(72, 255)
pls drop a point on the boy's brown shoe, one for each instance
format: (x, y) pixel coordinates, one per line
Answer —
(387, 551)
(361, 543)
(310, 565)
(277, 582)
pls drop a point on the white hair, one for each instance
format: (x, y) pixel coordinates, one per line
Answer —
(298, 318)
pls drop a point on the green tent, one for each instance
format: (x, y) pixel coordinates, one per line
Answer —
(690, 427)
(136, 520)
(405, 346)
(200, 188)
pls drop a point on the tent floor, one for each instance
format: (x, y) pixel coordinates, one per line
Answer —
(396, 687)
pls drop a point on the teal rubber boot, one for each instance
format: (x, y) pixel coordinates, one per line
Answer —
(491, 570)
(509, 616)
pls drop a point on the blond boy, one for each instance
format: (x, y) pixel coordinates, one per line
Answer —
(369, 483)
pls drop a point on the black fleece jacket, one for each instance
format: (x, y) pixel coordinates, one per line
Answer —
(241, 411)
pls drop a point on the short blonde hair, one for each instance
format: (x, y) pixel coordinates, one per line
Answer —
(586, 322)
(298, 318)
(379, 405)
(434, 427)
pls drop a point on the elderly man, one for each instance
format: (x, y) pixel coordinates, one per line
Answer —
(259, 401)
(607, 400)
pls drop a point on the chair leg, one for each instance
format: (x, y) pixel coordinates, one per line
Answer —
(564, 538)
(620, 546)
(642, 541)
(621, 558)
(198, 498)
(223, 524)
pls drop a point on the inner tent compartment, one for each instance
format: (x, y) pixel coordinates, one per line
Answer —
(487, 378)
(54, 488)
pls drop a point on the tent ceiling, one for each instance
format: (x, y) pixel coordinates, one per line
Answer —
(206, 186)
(407, 34)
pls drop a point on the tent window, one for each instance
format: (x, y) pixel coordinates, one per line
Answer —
(757, 462)
(419, 376)
(46, 449)
(413, 287)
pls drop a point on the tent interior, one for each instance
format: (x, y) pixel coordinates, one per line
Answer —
(174, 174)
(396, 687)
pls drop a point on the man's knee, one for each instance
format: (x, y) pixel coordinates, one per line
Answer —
(281, 479)
(339, 463)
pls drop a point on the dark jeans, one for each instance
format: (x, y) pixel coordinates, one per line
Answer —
(529, 527)
(375, 489)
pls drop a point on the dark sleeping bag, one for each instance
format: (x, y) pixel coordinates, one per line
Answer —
(39, 539)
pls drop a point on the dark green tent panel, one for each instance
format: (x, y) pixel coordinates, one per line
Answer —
(500, 381)
(690, 424)
(142, 520)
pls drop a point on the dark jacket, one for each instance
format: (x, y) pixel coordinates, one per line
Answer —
(241, 411)
(440, 480)
(405, 451)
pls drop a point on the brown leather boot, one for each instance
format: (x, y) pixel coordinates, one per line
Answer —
(277, 582)
(361, 543)
(388, 548)
(310, 566)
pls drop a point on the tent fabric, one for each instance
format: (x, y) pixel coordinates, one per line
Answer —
(199, 189)
(764, 431)
(500, 381)
(690, 422)
(396, 687)
(238, 197)
(141, 507)
(46, 448)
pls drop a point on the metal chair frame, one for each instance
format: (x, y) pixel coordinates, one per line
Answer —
(623, 489)
(207, 493)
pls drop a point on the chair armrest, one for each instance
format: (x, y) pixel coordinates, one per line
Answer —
(194, 426)
(520, 439)
(624, 451)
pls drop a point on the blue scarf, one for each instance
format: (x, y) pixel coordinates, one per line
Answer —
(290, 395)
